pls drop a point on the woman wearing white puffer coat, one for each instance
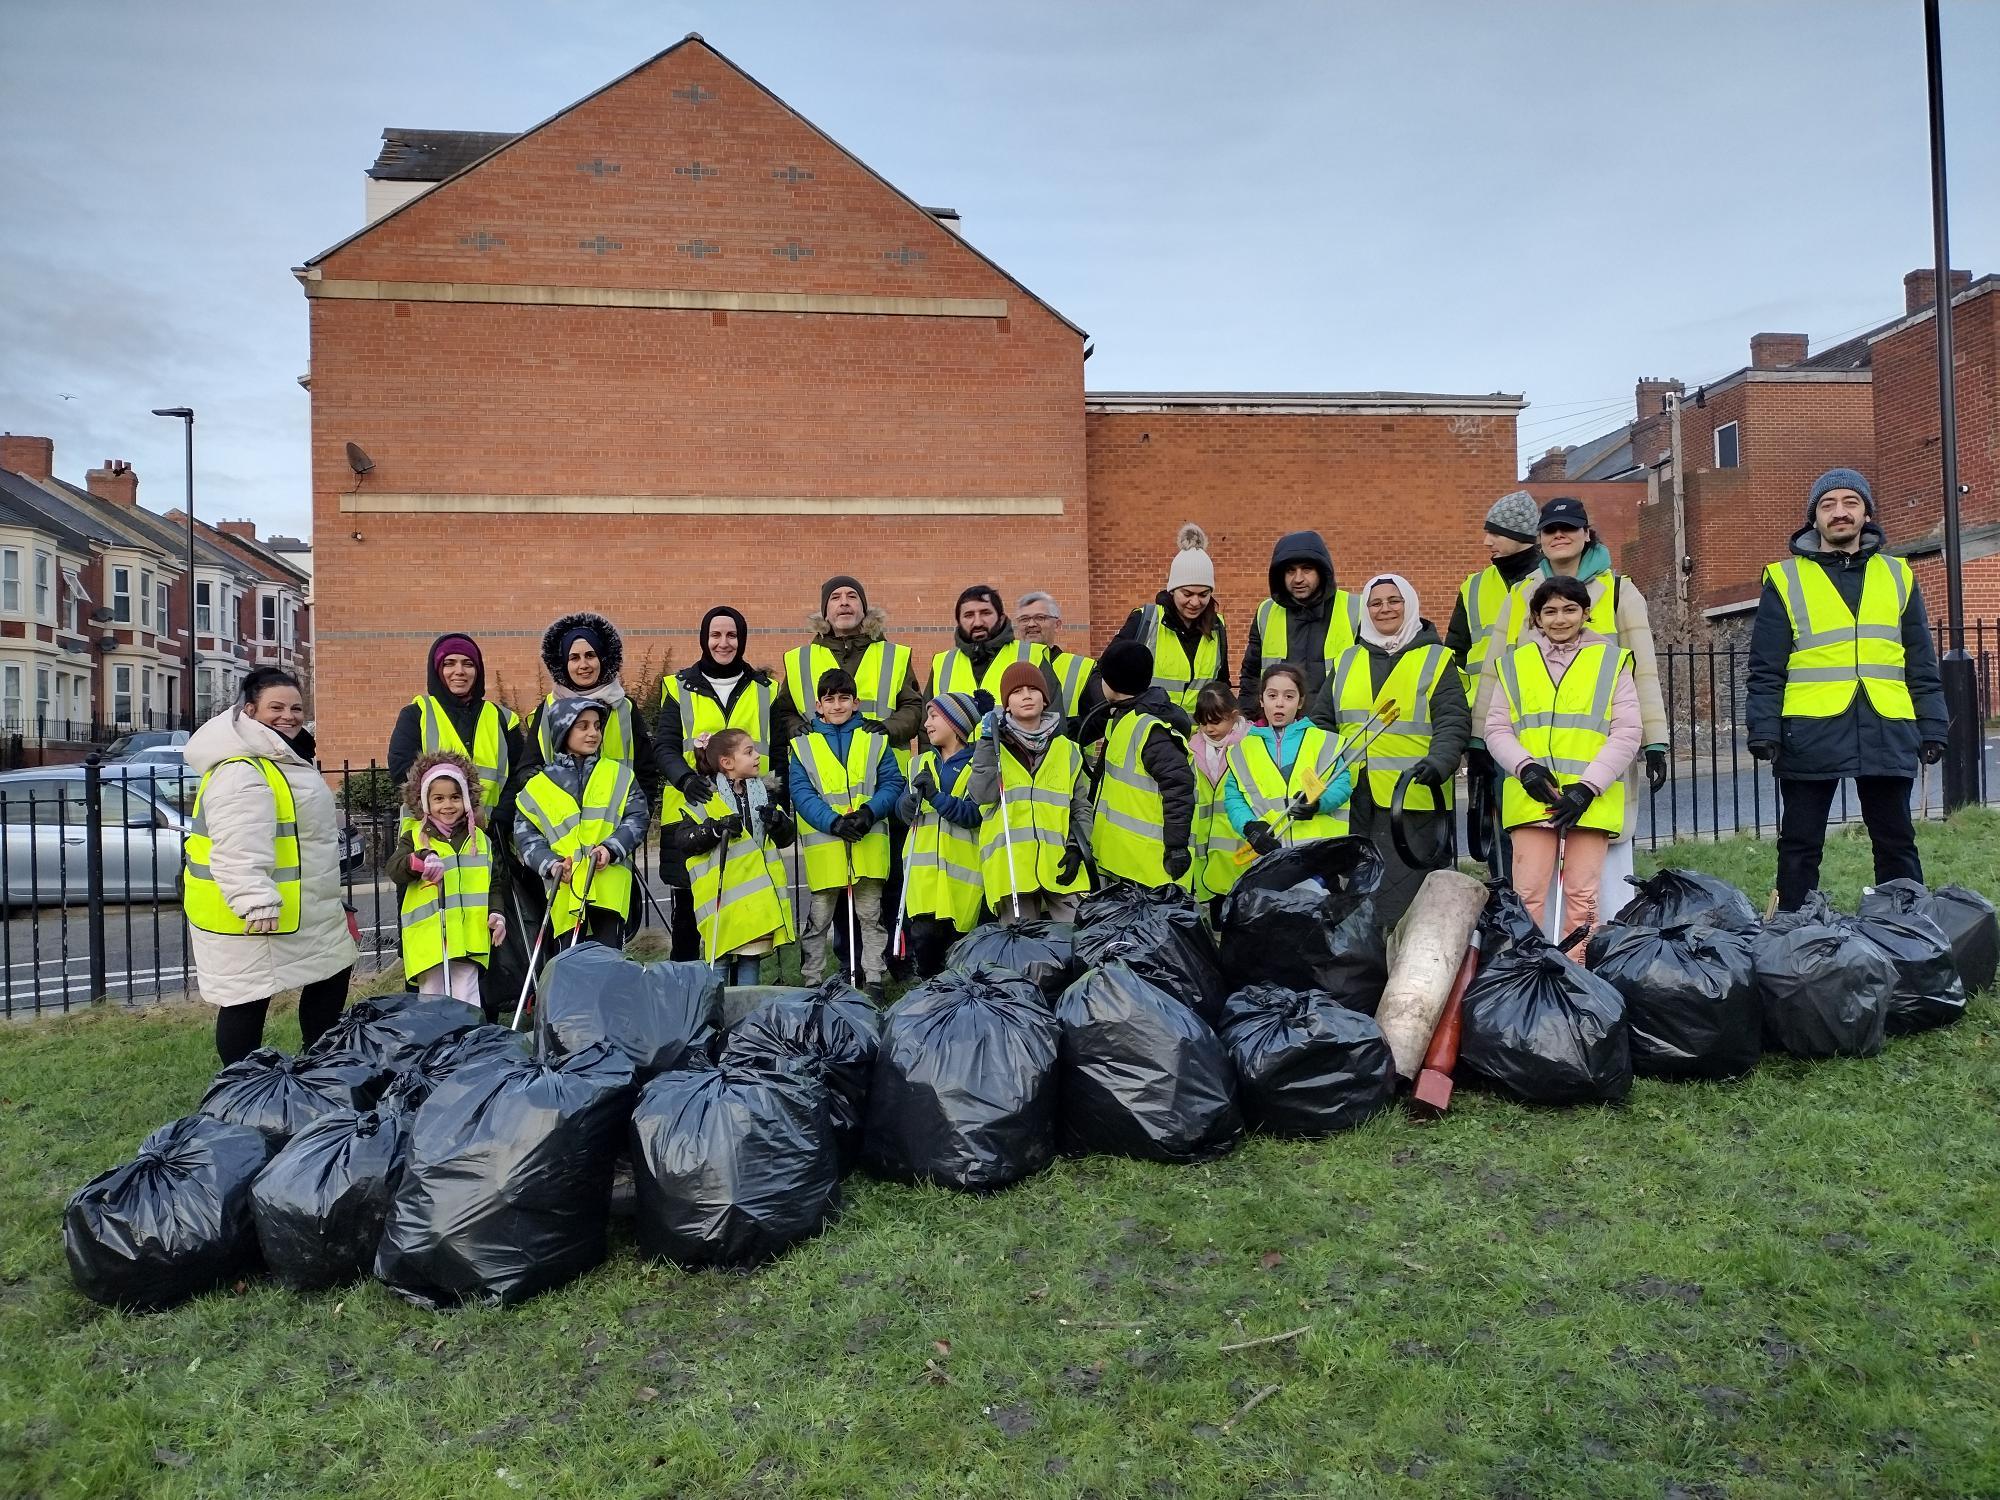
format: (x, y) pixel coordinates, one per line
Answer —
(256, 928)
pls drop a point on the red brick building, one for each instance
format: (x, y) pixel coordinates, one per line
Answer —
(675, 346)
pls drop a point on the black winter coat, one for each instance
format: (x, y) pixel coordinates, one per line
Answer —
(1306, 621)
(406, 740)
(1859, 742)
(670, 747)
(1165, 758)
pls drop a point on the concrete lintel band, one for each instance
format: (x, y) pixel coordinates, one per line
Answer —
(703, 505)
(672, 298)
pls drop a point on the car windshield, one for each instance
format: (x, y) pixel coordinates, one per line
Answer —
(146, 739)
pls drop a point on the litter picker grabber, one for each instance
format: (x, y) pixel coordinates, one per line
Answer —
(714, 933)
(534, 954)
(1315, 785)
(854, 968)
(1007, 839)
(896, 944)
(589, 858)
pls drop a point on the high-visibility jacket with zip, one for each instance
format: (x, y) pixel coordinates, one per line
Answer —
(831, 862)
(1073, 676)
(1036, 826)
(449, 920)
(941, 869)
(1212, 842)
(1483, 596)
(571, 828)
(951, 671)
(1837, 651)
(1129, 830)
(618, 740)
(1602, 619)
(207, 909)
(877, 680)
(739, 888)
(1269, 790)
(1562, 725)
(1343, 628)
(1412, 686)
(487, 752)
(701, 715)
(1182, 680)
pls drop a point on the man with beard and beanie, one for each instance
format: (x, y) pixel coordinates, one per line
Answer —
(849, 634)
(720, 691)
(1182, 630)
(983, 647)
(1843, 682)
(453, 716)
(1512, 523)
(1307, 621)
(1142, 782)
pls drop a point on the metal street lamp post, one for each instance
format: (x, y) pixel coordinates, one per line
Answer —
(186, 416)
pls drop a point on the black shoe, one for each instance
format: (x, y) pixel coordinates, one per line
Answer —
(877, 992)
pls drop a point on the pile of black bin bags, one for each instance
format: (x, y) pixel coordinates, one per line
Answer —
(465, 1163)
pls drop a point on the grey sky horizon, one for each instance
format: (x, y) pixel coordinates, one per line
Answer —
(1548, 199)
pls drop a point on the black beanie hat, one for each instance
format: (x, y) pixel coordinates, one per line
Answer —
(841, 581)
(1126, 666)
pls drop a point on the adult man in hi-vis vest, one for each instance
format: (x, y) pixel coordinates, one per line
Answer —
(1843, 682)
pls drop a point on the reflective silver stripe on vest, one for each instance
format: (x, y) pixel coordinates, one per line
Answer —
(685, 696)
(1131, 824)
(755, 886)
(1246, 782)
(279, 874)
(1807, 640)
(1342, 714)
(621, 786)
(857, 792)
(554, 832)
(931, 860)
(1029, 835)
(1072, 678)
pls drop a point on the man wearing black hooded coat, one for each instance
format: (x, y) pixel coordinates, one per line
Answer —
(1320, 620)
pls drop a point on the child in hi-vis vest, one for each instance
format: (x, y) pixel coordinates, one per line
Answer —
(577, 822)
(730, 843)
(450, 884)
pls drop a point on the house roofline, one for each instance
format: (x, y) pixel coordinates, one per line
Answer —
(1281, 403)
(1978, 288)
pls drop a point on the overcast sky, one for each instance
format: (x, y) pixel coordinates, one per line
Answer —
(1537, 198)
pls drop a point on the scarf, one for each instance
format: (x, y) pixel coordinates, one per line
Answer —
(610, 692)
(750, 797)
(1211, 757)
(1412, 615)
(1032, 743)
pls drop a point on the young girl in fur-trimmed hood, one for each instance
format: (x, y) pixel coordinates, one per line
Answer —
(443, 869)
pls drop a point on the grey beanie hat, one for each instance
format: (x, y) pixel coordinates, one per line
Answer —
(1517, 515)
(1839, 479)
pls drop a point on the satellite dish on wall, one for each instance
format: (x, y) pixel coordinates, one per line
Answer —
(358, 460)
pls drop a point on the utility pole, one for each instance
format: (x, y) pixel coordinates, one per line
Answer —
(1673, 399)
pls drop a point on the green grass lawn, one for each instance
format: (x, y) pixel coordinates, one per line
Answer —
(1785, 1286)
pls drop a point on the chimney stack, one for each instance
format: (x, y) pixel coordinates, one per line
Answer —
(1651, 395)
(32, 457)
(245, 529)
(1551, 468)
(1777, 351)
(115, 482)
(1920, 288)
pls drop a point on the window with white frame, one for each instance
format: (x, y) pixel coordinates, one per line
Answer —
(121, 695)
(146, 599)
(146, 694)
(121, 596)
(204, 610)
(1728, 446)
(10, 580)
(160, 600)
(287, 622)
(45, 585)
(10, 692)
(41, 695)
(76, 597)
(204, 692)
(267, 617)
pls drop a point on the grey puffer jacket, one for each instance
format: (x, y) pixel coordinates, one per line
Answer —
(572, 773)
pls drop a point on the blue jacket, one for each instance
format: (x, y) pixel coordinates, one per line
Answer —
(1284, 747)
(811, 806)
(961, 812)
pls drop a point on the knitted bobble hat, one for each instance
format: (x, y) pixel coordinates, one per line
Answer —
(1192, 567)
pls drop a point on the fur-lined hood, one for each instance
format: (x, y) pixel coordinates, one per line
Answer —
(874, 624)
(612, 656)
(413, 785)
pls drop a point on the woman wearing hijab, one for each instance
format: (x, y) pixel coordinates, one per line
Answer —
(720, 691)
(1399, 659)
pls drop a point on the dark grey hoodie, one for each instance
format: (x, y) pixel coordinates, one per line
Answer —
(1305, 620)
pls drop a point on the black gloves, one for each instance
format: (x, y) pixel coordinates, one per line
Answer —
(1932, 752)
(1763, 749)
(1540, 782)
(923, 783)
(777, 823)
(1071, 866)
(1260, 837)
(1302, 806)
(1427, 774)
(1478, 764)
(700, 838)
(728, 827)
(983, 701)
(1572, 805)
(697, 789)
(1656, 768)
(1177, 862)
(854, 826)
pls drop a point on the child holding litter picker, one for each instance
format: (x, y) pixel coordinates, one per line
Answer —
(731, 846)
(844, 786)
(577, 822)
(1214, 843)
(942, 896)
(450, 884)
(1029, 779)
(1287, 783)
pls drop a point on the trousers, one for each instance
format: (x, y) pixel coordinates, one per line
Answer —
(1802, 814)
(239, 1029)
(819, 930)
(1583, 852)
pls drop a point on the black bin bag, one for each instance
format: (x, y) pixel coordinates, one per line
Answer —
(171, 1223)
(482, 1046)
(1964, 917)
(1304, 919)
(965, 1083)
(1674, 898)
(394, 1029)
(1161, 935)
(1141, 1074)
(1504, 923)
(1544, 1029)
(661, 1015)
(833, 1029)
(1690, 997)
(1825, 987)
(1305, 1063)
(321, 1203)
(1044, 951)
(280, 1095)
(734, 1164)
(507, 1185)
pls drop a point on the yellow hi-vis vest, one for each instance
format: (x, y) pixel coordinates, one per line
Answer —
(1181, 679)
(1411, 685)
(1073, 674)
(877, 680)
(1036, 827)
(951, 671)
(572, 828)
(700, 714)
(449, 921)
(207, 908)
(1213, 843)
(1562, 725)
(618, 738)
(1274, 624)
(739, 888)
(1836, 651)
(1515, 616)
(487, 752)
(941, 867)
(832, 862)
(1483, 596)
(1129, 831)
(1268, 790)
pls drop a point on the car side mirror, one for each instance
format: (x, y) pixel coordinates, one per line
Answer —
(140, 820)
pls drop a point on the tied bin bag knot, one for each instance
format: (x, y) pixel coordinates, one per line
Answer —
(1160, 933)
(1306, 1064)
(321, 1203)
(833, 1030)
(280, 1095)
(1538, 1025)
(1044, 951)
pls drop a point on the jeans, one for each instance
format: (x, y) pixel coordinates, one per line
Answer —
(1802, 815)
(819, 930)
(739, 968)
(239, 1029)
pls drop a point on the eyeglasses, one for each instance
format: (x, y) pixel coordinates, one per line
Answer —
(1036, 619)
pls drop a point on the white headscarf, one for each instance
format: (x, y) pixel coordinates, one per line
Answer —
(1412, 615)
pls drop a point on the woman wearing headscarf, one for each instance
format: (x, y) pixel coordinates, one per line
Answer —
(720, 691)
(1399, 659)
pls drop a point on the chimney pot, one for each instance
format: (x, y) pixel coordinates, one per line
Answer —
(115, 482)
